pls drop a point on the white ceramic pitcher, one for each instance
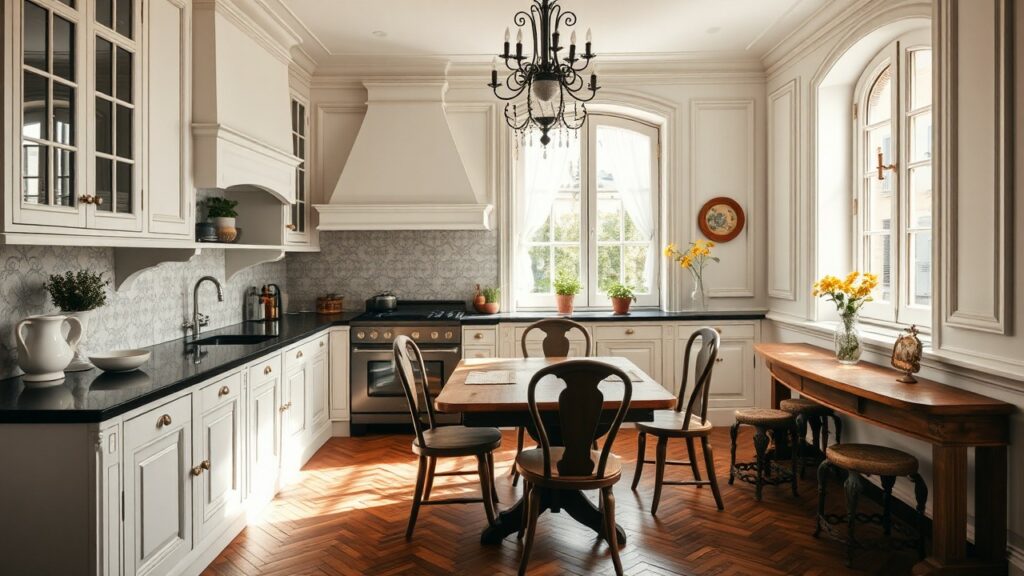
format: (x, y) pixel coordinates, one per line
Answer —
(43, 353)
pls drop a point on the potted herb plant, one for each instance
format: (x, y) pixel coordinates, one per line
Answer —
(566, 289)
(491, 297)
(221, 212)
(77, 294)
(622, 296)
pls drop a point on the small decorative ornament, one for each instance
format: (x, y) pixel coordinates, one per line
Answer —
(906, 355)
(721, 219)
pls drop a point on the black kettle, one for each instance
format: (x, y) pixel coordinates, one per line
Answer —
(383, 302)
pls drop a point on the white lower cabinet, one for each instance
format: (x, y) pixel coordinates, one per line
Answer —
(296, 419)
(480, 342)
(641, 344)
(732, 382)
(338, 350)
(318, 404)
(218, 461)
(264, 409)
(158, 488)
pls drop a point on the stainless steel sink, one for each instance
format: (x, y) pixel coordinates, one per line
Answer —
(231, 340)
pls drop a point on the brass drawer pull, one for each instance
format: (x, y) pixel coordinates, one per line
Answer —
(299, 354)
(224, 391)
(267, 370)
(630, 331)
(164, 420)
(478, 336)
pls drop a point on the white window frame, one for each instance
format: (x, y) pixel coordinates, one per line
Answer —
(898, 54)
(591, 298)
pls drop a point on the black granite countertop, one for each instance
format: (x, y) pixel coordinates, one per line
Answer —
(94, 395)
(607, 316)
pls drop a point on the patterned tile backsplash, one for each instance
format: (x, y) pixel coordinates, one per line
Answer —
(415, 265)
(148, 312)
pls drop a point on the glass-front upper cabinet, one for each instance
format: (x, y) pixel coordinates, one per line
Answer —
(76, 90)
(298, 214)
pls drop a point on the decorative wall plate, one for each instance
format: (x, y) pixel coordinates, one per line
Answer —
(721, 219)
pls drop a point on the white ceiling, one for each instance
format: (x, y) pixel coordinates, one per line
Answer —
(468, 28)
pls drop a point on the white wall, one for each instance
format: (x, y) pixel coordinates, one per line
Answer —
(713, 125)
(978, 342)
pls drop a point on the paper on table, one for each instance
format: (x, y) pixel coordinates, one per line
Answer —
(633, 376)
(491, 377)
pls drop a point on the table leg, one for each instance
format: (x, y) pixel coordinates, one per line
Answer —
(572, 501)
(780, 392)
(949, 509)
(990, 503)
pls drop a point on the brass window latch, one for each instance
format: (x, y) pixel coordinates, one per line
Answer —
(882, 167)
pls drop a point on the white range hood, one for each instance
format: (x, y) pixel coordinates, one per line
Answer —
(404, 171)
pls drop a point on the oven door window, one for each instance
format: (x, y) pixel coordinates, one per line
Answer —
(382, 379)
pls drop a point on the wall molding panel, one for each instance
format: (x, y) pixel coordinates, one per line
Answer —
(783, 189)
(723, 163)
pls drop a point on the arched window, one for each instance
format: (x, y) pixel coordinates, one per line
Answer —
(587, 207)
(893, 209)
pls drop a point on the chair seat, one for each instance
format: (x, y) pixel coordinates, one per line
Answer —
(670, 423)
(457, 441)
(804, 406)
(871, 459)
(765, 417)
(530, 464)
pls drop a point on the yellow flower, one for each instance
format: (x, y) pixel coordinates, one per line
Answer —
(686, 261)
(670, 249)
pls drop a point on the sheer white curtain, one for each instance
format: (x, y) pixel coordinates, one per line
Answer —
(627, 155)
(542, 178)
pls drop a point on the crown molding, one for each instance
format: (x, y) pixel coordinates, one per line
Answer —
(258, 21)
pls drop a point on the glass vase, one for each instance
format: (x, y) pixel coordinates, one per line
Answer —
(847, 339)
(699, 297)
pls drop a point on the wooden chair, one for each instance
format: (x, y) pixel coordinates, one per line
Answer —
(555, 344)
(571, 466)
(433, 442)
(689, 424)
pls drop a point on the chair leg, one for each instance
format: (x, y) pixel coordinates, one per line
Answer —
(822, 485)
(531, 529)
(641, 453)
(819, 433)
(801, 426)
(691, 450)
(853, 489)
(921, 495)
(887, 483)
(795, 458)
(733, 432)
(659, 474)
(429, 483)
(526, 510)
(611, 535)
(709, 463)
(760, 448)
(486, 489)
(839, 428)
(494, 486)
(520, 433)
(417, 495)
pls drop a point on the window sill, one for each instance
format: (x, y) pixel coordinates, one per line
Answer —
(880, 340)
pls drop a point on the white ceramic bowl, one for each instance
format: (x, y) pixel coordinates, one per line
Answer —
(120, 360)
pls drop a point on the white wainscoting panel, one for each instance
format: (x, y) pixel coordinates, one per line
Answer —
(783, 189)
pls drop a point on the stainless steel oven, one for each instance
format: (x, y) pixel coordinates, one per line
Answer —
(376, 391)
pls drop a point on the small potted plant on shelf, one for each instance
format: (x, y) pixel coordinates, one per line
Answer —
(566, 289)
(491, 297)
(221, 212)
(622, 296)
(78, 294)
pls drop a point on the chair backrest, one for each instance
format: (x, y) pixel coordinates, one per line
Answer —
(697, 405)
(556, 342)
(580, 405)
(412, 372)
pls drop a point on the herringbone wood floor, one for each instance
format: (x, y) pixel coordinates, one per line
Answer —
(347, 513)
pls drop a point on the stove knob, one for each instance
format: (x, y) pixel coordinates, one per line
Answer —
(387, 335)
(415, 335)
(449, 334)
(433, 335)
(360, 335)
(373, 335)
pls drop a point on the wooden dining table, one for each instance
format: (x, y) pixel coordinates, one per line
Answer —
(949, 418)
(505, 405)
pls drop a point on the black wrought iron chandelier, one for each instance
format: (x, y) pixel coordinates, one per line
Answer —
(545, 79)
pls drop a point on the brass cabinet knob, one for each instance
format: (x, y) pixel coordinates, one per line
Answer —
(282, 408)
(205, 464)
(321, 344)
(224, 391)
(478, 336)
(299, 354)
(197, 470)
(291, 227)
(719, 330)
(98, 201)
(630, 331)
(86, 199)
(267, 370)
(719, 359)
(164, 420)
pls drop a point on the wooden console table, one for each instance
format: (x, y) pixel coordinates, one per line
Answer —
(951, 419)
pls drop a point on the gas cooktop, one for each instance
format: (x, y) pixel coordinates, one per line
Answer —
(419, 311)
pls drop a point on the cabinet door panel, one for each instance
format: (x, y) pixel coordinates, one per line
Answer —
(646, 354)
(263, 438)
(319, 375)
(339, 345)
(219, 420)
(296, 424)
(158, 494)
(732, 382)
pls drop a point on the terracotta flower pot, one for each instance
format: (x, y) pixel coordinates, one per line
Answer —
(564, 303)
(490, 307)
(620, 306)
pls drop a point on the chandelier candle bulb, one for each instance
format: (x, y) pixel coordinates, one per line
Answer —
(587, 54)
(508, 37)
(572, 47)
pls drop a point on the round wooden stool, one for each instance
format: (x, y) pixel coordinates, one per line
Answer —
(809, 412)
(766, 422)
(859, 460)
